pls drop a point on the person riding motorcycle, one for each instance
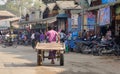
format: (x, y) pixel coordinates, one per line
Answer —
(8, 38)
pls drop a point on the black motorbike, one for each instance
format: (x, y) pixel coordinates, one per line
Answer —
(9, 43)
(110, 47)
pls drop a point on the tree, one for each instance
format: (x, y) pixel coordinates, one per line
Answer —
(17, 6)
(37, 4)
(14, 6)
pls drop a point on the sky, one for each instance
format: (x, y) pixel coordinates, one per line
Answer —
(2, 2)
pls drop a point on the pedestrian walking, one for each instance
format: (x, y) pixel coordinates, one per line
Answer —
(62, 36)
(33, 40)
(37, 36)
(42, 37)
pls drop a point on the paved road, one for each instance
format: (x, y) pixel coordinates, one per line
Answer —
(22, 60)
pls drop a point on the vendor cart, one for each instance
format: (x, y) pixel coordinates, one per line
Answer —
(44, 47)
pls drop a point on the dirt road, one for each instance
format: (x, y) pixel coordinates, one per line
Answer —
(22, 60)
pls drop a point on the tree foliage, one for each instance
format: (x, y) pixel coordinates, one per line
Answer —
(37, 4)
(14, 6)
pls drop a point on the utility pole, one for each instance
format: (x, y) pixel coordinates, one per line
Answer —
(82, 21)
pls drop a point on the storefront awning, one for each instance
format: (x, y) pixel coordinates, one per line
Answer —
(47, 20)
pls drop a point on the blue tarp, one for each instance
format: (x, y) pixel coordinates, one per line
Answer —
(108, 1)
(62, 15)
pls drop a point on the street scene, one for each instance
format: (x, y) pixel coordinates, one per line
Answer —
(60, 36)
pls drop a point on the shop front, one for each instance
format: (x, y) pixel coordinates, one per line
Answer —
(117, 20)
(62, 21)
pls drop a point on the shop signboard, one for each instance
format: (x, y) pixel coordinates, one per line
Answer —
(74, 23)
(108, 1)
(104, 16)
(74, 20)
(90, 20)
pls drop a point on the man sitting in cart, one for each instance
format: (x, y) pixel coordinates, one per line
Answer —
(52, 36)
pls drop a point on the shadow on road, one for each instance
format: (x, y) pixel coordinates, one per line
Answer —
(25, 55)
(20, 65)
(71, 72)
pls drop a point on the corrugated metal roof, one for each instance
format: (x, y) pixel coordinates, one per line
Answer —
(6, 13)
(51, 6)
(11, 19)
(43, 7)
(66, 4)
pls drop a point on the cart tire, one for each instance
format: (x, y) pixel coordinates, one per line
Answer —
(61, 60)
(39, 58)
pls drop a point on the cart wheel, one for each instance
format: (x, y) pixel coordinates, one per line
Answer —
(61, 60)
(43, 55)
(39, 58)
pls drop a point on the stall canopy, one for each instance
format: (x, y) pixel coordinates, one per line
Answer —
(6, 13)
